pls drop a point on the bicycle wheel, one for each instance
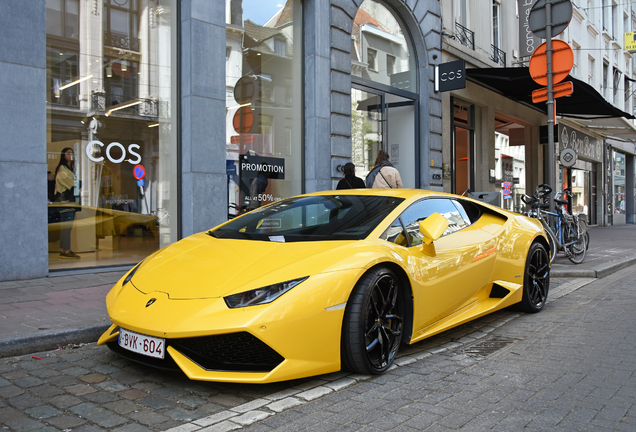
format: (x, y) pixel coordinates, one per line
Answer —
(583, 225)
(573, 233)
(553, 246)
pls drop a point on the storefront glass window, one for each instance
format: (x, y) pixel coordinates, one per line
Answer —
(111, 130)
(510, 167)
(263, 102)
(619, 183)
(380, 51)
(383, 93)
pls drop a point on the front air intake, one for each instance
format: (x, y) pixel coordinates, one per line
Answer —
(234, 352)
(229, 352)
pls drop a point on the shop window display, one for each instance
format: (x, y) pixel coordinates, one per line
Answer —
(619, 183)
(263, 104)
(110, 104)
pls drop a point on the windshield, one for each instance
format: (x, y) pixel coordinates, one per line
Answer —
(313, 218)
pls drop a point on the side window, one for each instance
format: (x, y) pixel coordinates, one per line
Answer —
(395, 234)
(468, 210)
(419, 211)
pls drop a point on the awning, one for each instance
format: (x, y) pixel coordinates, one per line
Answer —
(515, 83)
(615, 127)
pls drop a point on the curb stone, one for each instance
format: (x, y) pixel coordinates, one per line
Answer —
(50, 340)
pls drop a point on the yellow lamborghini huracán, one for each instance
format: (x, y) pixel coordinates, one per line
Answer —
(323, 282)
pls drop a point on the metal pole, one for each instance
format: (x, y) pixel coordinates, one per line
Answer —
(551, 113)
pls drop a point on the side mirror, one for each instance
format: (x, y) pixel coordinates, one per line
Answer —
(433, 227)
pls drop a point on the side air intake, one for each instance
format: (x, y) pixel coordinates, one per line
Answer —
(498, 291)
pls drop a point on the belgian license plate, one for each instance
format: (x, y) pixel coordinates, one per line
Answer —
(142, 344)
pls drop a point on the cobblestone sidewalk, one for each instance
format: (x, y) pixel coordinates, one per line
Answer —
(87, 388)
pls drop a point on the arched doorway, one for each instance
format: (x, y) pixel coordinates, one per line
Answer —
(384, 93)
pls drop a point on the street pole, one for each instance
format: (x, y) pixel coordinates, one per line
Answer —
(551, 112)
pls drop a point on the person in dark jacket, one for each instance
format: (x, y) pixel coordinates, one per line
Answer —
(350, 181)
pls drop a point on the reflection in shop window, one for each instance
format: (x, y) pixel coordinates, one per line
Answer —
(390, 64)
(377, 31)
(62, 18)
(62, 70)
(372, 59)
(109, 102)
(619, 183)
(263, 106)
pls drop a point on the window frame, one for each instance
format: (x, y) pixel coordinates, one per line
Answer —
(372, 53)
(404, 231)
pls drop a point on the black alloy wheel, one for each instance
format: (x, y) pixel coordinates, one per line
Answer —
(536, 280)
(372, 327)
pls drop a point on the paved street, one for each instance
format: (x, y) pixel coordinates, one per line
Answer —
(571, 367)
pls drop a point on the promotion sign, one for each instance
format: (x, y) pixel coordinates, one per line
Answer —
(250, 165)
(255, 175)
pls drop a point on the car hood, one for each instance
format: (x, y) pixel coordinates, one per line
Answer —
(202, 266)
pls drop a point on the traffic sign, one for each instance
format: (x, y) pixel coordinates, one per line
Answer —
(139, 172)
(245, 89)
(562, 62)
(561, 15)
(561, 89)
(243, 120)
(507, 192)
(568, 157)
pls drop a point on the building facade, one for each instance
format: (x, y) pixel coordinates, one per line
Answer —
(497, 138)
(154, 119)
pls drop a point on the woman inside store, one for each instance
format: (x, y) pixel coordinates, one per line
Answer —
(65, 193)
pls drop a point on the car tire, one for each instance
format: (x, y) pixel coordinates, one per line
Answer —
(372, 326)
(536, 280)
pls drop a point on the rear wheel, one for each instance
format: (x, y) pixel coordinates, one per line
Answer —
(583, 224)
(573, 232)
(372, 327)
(536, 280)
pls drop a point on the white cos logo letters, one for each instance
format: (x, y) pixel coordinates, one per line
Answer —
(131, 148)
(452, 75)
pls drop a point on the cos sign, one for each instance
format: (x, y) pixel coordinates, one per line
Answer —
(90, 151)
(450, 76)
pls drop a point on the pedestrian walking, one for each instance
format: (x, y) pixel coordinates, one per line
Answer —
(350, 181)
(384, 175)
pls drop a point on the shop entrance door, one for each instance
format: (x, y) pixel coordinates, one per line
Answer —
(463, 147)
(384, 120)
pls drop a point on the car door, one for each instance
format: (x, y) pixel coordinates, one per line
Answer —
(449, 274)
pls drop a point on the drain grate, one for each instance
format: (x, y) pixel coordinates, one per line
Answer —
(489, 346)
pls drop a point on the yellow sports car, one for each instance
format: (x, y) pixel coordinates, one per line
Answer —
(325, 281)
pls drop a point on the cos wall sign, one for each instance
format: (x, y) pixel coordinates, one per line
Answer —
(450, 76)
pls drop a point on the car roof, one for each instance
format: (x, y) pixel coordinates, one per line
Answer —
(400, 193)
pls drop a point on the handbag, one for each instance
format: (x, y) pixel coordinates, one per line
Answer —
(66, 196)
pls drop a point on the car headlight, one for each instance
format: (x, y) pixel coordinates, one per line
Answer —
(262, 295)
(131, 274)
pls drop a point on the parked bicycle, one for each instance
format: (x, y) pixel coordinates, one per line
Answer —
(566, 232)
(567, 194)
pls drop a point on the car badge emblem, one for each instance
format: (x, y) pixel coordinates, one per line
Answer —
(151, 302)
